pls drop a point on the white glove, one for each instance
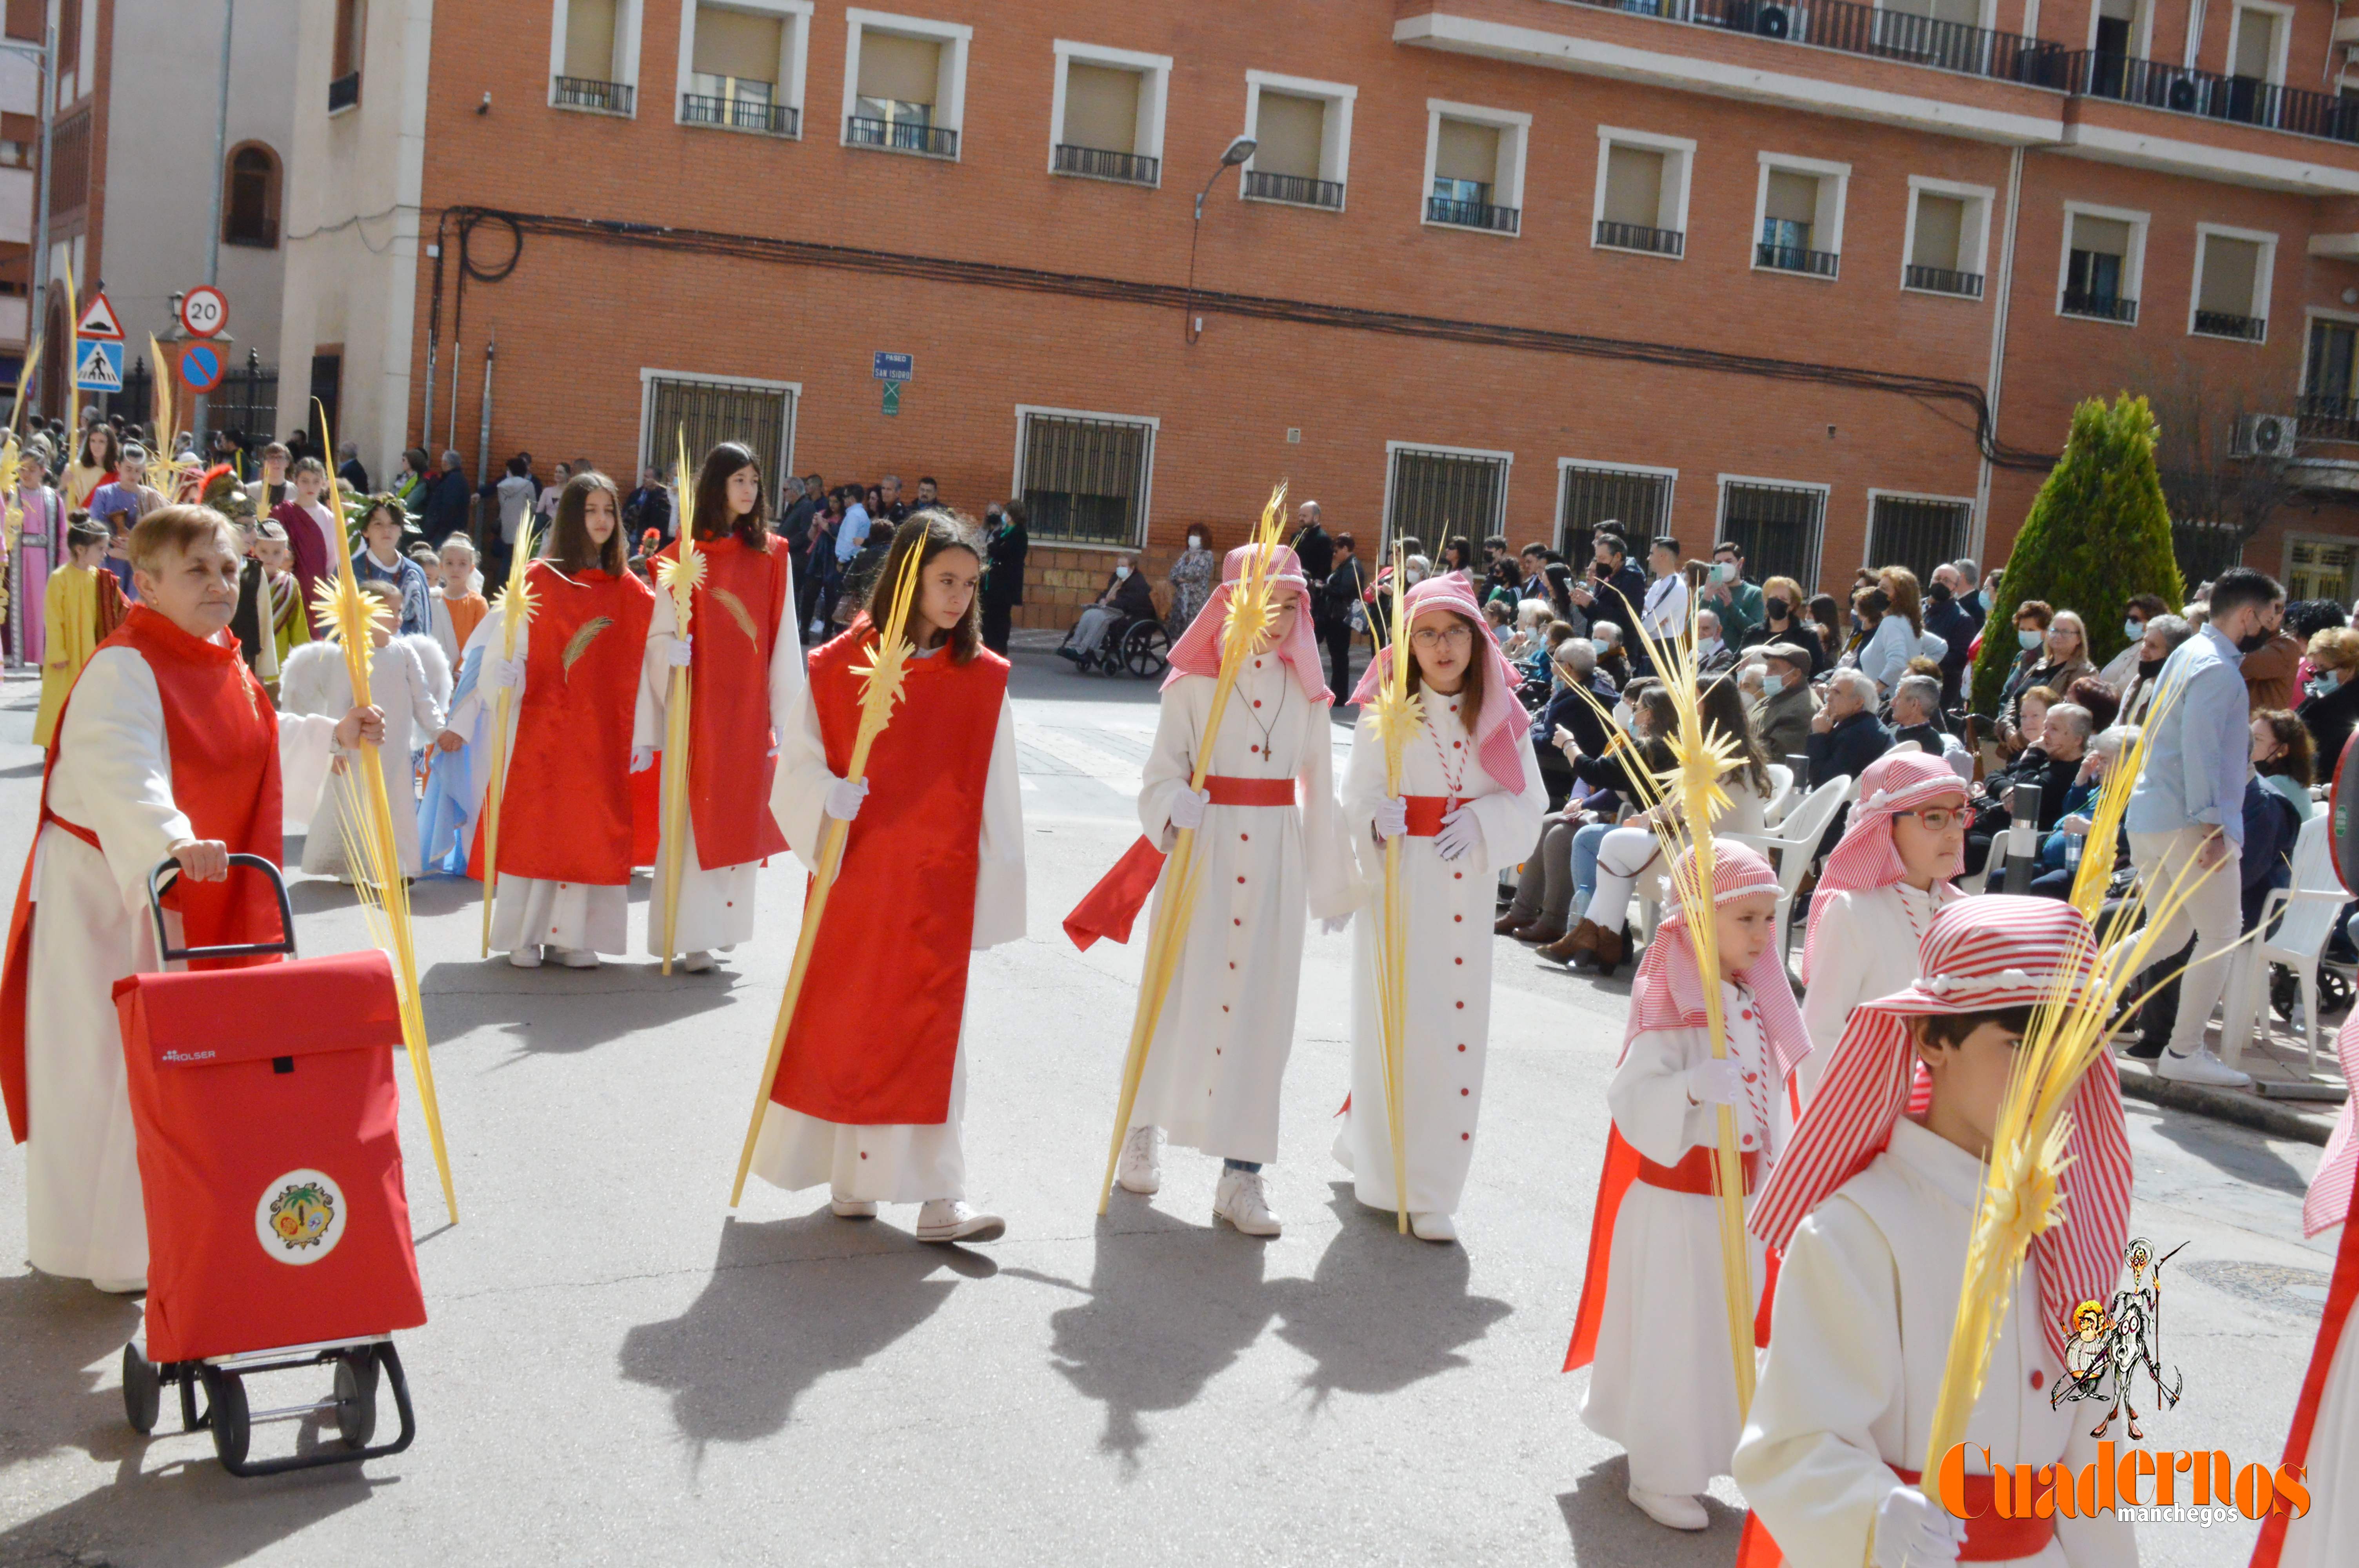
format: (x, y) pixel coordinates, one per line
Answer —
(500, 674)
(1331, 924)
(1188, 808)
(680, 654)
(1912, 1531)
(1714, 1081)
(1392, 817)
(843, 798)
(642, 758)
(1460, 832)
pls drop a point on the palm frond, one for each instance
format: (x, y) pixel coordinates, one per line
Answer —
(578, 644)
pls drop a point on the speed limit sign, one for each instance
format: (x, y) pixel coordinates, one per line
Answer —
(203, 312)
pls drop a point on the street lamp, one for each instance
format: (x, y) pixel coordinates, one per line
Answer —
(1237, 153)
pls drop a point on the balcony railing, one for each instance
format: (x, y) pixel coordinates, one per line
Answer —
(1638, 237)
(1300, 189)
(344, 92)
(1942, 280)
(2325, 418)
(1793, 259)
(1869, 31)
(580, 93)
(2242, 100)
(1470, 214)
(1131, 169)
(900, 136)
(738, 115)
(2100, 306)
(2228, 324)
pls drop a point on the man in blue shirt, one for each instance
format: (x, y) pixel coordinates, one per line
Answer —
(2186, 814)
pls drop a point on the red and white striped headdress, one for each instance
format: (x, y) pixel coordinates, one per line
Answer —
(1981, 954)
(1198, 651)
(2328, 1203)
(1503, 729)
(1866, 857)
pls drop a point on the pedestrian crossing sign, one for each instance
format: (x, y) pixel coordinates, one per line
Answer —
(98, 365)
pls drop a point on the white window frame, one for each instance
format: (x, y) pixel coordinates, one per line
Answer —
(1823, 170)
(1567, 467)
(1154, 426)
(2133, 286)
(1506, 462)
(1826, 495)
(629, 15)
(1868, 518)
(949, 114)
(1980, 199)
(1154, 97)
(795, 14)
(1335, 141)
(650, 374)
(2284, 16)
(2263, 275)
(1515, 128)
(1681, 148)
(2141, 30)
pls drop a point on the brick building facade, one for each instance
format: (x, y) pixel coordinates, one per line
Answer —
(1828, 277)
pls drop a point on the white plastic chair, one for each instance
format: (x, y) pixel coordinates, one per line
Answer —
(2309, 906)
(1782, 794)
(1795, 843)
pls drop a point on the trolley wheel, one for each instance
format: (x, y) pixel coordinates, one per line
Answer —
(2334, 991)
(356, 1396)
(229, 1417)
(1146, 649)
(143, 1390)
(2285, 991)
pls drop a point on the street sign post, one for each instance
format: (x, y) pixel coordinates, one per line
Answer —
(98, 320)
(203, 366)
(896, 367)
(204, 311)
(98, 365)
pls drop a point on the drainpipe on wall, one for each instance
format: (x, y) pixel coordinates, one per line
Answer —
(483, 436)
(2002, 299)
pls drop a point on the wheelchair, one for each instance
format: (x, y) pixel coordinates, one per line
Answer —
(1138, 645)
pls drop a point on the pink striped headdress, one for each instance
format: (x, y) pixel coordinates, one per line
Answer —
(1866, 856)
(2328, 1203)
(1503, 729)
(1198, 651)
(1981, 954)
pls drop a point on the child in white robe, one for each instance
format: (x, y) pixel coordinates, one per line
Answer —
(409, 682)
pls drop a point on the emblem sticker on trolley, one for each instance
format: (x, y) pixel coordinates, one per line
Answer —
(300, 1218)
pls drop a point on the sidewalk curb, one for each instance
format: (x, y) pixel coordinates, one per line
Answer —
(2224, 1105)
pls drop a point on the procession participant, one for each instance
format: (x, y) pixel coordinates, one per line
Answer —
(168, 748)
(409, 683)
(1653, 1325)
(1470, 804)
(1877, 895)
(747, 664)
(93, 465)
(872, 1085)
(2324, 1438)
(1218, 1055)
(1872, 1203)
(83, 605)
(380, 560)
(564, 876)
(459, 605)
(309, 526)
(40, 545)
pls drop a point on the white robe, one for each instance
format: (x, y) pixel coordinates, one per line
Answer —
(1866, 947)
(1867, 1297)
(1227, 1025)
(1448, 907)
(409, 682)
(892, 1164)
(716, 907)
(1662, 1384)
(529, 912)
(2323, 1537)
(85, 1214)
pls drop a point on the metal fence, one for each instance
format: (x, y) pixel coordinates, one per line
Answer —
(1917, 533)
(1442, 495)
(738, 114)
(1870, 30)
(1135, 168)
(1638, 502)
(2206, 550)
(1300, 189)
(2244, 99)
(580, 93)
(1777, 526)
(711, 412)
(1086, 480)
(900, 136)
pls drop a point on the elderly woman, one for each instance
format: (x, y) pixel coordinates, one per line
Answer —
(2163, 633)
(1191, 578)
(2139, 614)
(2331, 706)
(2053, 762)
(1532, 618)
(2059, 860)
(1570, 727)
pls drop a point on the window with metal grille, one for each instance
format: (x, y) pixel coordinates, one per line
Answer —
(1917, 532)
(1638, 503)
(2205, 549)
(250, 212)
(1439, 495)
(711, 412)
(1778, 527)
(1085, 478)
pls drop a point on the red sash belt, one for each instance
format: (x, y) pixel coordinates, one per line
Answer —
(1426, 812)
(1228, 791)
(76, 829)
(1990, 1539)
(1692, 1174)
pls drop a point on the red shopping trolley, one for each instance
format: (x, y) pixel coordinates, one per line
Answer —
(270, 1163)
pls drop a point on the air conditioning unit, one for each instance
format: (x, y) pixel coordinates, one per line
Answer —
(2264, 436)
(1773, 22)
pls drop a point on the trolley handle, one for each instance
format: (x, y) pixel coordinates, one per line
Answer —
(167, 954)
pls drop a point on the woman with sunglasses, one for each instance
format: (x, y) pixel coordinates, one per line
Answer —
(1887, 878)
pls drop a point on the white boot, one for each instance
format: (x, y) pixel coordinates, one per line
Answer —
(952, 1219)
(697, 963)
(524, 957)
(1242, 1201)
(1429, 1226)
(1670, 1509)
(577, 957)
(1141, 1170)
(851, 1208)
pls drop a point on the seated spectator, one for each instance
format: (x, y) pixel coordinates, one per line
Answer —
(2031, 622)
(2103, 703)
(2123, 667)
(1557, 876)
(1846, 734)
(1828, 624)
(2305, 619)
(1712, 655)
(1579, 702)
(1917, 716)
(2062, 741)
(2163, 633)
(2331, 706)
(1128, 597)
(2058, 857)
(1606, 638)
(1785, 620)
(1531, 618)
(2281, 758)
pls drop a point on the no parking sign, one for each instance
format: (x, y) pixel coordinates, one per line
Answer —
(203, 366)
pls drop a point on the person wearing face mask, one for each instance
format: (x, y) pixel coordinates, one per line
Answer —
(1788, 706)
(2268, 669)
(1738, 602)
(1191, 578)
(1127, 598)
(2332, 706)
(2121, 668)
(1948, 617)
(1005, 544)
(1712, 653)
(2163, 633)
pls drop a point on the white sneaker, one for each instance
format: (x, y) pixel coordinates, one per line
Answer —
(697, 963)
(952, 1219)
(121, 1286)
(577, 957)
(851, 1208)
(1244, 1202)
(524, 957)
(1431, 1226)
(2203, 1066)
(1141, 1170)
(1670, 1509)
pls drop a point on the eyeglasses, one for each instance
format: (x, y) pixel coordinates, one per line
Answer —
(1430, 637)
(1938, 819)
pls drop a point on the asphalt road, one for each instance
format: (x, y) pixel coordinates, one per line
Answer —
(618, 1371)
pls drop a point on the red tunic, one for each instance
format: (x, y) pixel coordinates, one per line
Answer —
(876, 1033)
(224, 737)
(735, 625)
(565, 811)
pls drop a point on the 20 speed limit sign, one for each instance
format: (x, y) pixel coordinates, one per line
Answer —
(203, 312)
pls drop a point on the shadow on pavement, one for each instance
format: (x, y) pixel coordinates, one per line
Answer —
(789, 1303)
(553, 1009)
(1606, 1527)
(2233, 1152)
(191, 1514)
(63, 1338)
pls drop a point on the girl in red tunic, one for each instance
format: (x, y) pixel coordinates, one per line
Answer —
(747, 667)
(565, 817)
(870, 1089)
